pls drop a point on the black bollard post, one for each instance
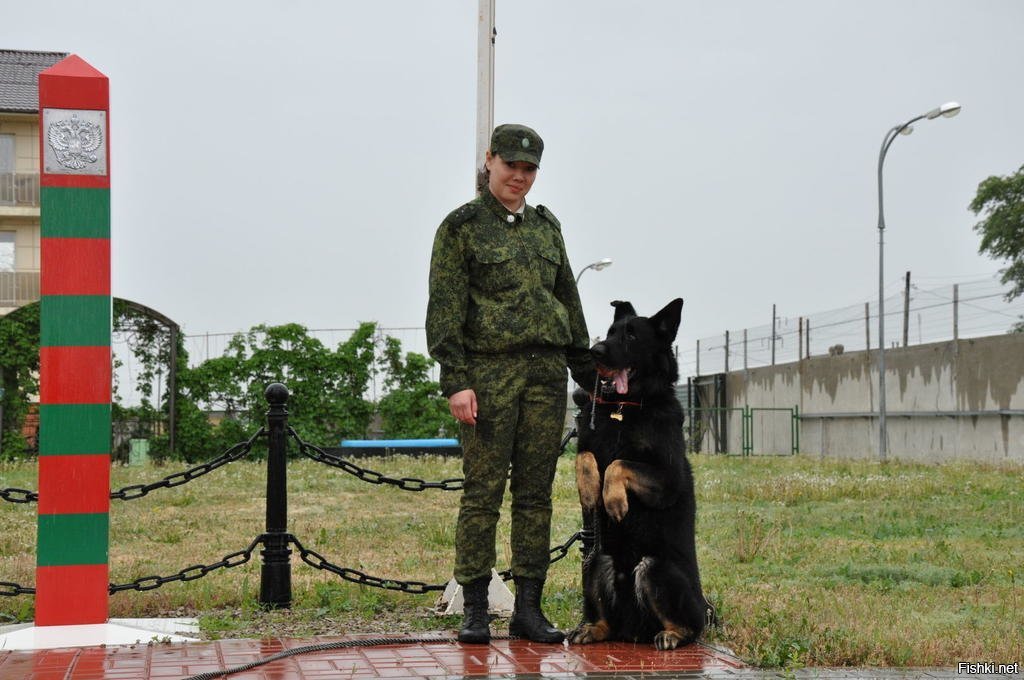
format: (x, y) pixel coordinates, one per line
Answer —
(276, 573)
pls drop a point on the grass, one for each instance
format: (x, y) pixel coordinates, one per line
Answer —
(809, 562)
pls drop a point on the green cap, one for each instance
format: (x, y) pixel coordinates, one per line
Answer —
(517, 143)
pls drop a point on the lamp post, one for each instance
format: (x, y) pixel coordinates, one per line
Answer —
(947, 110)
(596, 266)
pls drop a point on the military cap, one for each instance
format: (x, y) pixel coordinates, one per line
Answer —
(517, 143)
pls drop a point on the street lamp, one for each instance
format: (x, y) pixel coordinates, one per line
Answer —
(947, 110)
(596, 266)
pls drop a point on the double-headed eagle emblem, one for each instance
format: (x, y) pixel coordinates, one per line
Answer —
(74, 141)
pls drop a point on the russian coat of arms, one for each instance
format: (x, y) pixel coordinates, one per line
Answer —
(74, 141)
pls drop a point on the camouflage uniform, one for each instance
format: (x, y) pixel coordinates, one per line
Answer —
(504, 319)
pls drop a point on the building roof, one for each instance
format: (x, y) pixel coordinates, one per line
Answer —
(19, 78)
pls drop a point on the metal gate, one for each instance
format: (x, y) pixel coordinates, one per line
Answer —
(709, 422)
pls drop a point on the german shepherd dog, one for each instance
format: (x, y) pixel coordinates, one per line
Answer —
(640, 580)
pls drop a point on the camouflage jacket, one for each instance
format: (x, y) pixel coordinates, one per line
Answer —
(500, 286)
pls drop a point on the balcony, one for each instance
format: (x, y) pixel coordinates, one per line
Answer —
(19, 287)
(20, 189)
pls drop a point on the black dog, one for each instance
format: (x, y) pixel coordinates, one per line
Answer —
(640, 581)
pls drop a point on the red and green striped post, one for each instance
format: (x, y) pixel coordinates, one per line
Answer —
(74, 346)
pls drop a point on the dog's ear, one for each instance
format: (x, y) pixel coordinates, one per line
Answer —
(623, 309)
(666, 321)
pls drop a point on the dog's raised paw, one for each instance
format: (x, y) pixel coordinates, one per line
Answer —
(588, 480)
(616, 480)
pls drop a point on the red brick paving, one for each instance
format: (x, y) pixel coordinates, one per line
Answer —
(407, 660)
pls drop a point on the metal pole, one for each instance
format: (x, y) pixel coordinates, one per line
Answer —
(484, 85)
(906, 310)
(807, 338)
(744, 349)
(800, 338)
(956, 312)
(698, 358)
(773, 335)
(727, 351)
(881, 304)
(867, 326)
(276, 574)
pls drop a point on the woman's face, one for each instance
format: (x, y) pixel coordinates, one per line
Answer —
(510, 182)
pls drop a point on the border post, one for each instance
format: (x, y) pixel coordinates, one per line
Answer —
(276, 571)
(72, 551)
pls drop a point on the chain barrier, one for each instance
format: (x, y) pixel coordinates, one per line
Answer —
(318, 561)
(8, 589)
(310, 557)
(557, 553)
(404, 483)
(236, 452)
(134, 491)
(18, 495)
(235, 559)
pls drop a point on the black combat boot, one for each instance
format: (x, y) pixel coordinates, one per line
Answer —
(475, 619)
(527, 619)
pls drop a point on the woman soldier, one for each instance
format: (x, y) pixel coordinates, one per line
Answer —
(503, 321)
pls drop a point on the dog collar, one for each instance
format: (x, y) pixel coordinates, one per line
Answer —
(599, 400)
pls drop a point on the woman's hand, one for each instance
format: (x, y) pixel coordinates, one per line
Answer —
(463, 406)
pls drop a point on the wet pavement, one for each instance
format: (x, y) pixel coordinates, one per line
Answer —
(406, 656)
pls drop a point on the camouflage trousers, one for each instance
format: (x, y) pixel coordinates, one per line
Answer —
(521, 401)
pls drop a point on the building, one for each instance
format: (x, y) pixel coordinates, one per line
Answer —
(19, 174)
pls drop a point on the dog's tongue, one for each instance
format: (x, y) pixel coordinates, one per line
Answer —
(621, 380)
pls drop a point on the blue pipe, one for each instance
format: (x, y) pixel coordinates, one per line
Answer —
(398, 443)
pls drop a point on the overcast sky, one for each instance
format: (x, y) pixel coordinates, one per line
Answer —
(289, 161)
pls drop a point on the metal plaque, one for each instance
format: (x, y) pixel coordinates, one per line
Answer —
(74, 142)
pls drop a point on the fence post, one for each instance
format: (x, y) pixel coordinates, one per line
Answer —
(276, 574)
(906, 311)
(794, 436)
(956, 312)
(727, 351)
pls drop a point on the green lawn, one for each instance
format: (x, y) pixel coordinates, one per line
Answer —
(808, 562)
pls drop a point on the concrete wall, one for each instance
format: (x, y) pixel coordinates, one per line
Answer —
(944, 401)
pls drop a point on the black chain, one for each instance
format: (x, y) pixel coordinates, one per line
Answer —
(130, 493)
(18, 495)
(318, 561)
(404, 483)
(236, 452)
(310, 557)
(557, 553)
(235, 559)
(8, 589)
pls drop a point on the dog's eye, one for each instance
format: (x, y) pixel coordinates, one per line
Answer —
(630, 335)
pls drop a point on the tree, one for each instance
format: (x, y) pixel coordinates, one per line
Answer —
(413, 406)
(1001, 199)
(327, 386)
(19, 375)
